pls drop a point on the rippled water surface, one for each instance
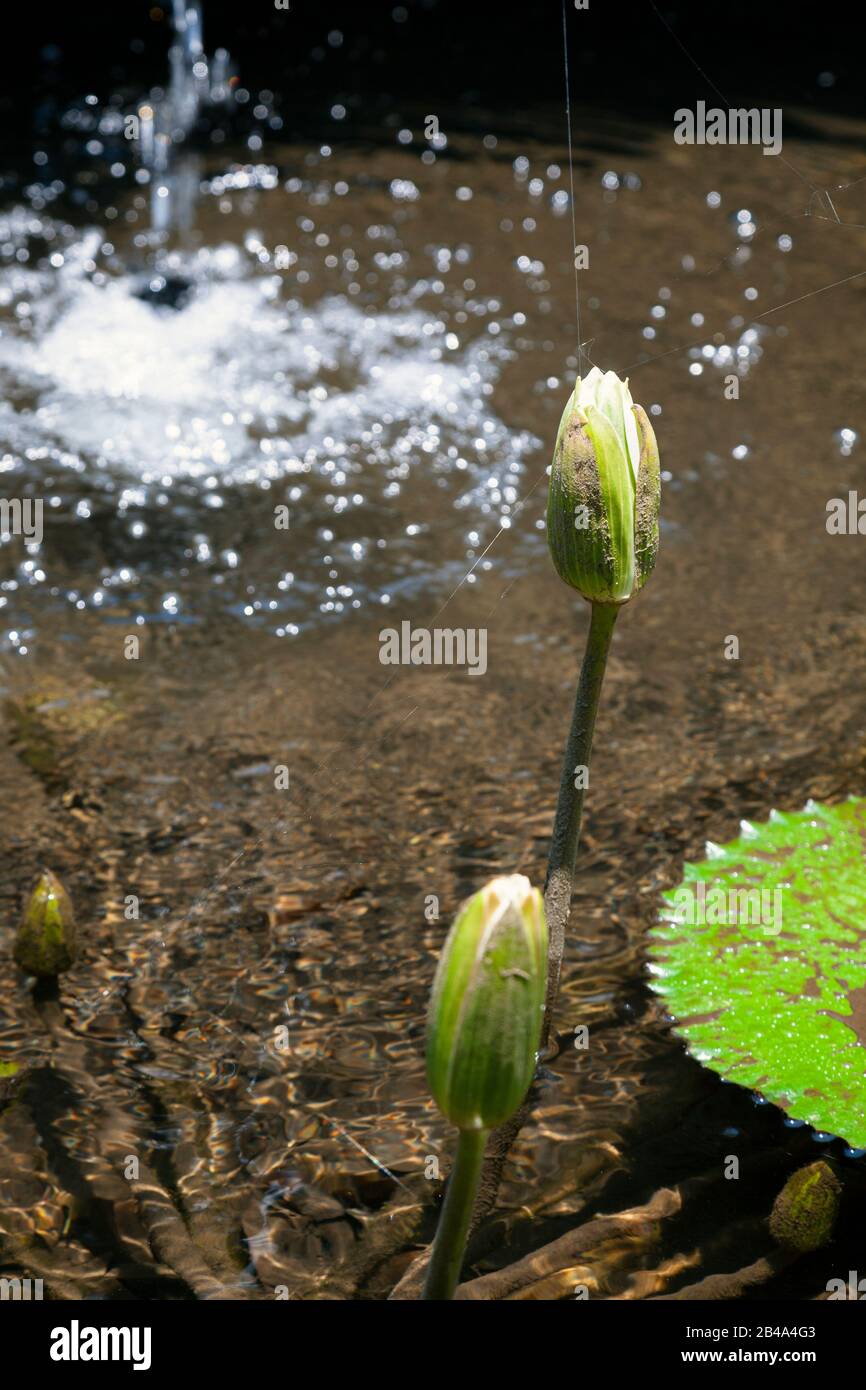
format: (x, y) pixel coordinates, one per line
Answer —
(383, 346)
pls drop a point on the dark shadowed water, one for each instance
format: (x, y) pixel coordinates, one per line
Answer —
(394, 375)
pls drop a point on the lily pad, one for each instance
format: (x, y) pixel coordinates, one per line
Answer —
(761, 959)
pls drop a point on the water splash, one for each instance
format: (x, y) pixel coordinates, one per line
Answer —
(238, 399)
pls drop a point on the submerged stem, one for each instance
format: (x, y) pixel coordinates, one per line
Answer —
(569, 807)
(443, 1270)
(450, 1244)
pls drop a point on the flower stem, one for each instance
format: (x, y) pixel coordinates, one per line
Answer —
(569, 808)
(448, 1248)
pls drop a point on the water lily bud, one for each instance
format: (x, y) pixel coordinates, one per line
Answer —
(45, 944)
(805, 1211)
(603, 502)
(486, 1009)
(10, 1078)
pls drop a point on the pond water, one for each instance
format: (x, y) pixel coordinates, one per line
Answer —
(383, 346)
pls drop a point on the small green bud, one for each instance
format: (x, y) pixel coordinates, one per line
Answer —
(605, 489)
(486, 1009)
(805, 1211)
(45, 944)
(10, 1076)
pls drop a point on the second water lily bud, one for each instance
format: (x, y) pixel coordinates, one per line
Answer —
(805, 1211)
(603, 503)
(45, 944)
(486, 1008)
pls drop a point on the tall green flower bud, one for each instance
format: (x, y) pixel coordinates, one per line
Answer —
(486, 1008)
(603, 502)
(45, 944)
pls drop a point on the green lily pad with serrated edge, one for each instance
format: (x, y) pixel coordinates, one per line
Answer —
(761, 959)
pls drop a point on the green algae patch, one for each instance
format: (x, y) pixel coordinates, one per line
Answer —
(760, 957)
(49, 721)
